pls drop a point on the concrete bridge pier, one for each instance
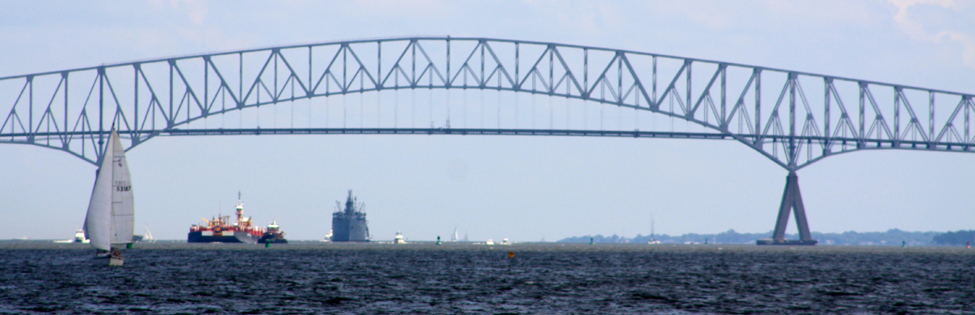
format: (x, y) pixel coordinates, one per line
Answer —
(791, 202)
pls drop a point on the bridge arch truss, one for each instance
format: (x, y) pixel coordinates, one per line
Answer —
(793, 118)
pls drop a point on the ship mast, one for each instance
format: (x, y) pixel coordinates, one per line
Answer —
(240, 208)
(349, 204)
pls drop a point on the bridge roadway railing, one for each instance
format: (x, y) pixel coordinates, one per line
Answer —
(766, 109)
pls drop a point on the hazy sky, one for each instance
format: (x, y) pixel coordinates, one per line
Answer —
(522, 188)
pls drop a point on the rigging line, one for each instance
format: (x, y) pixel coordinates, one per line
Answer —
(653, 121)
(326, 110)
(292, 105)
(740, 123)
(223, 105)
(430, 96)
(447, 105)
(482, 108)
(430, 106)
(362, 110)
(533, 110)
(551, 114)
(517, 111)
(395, 109)
(568, 111)
(499, 102)
(533, 101)
(413, 111)
(395, 102)
(326, 103)
(464, 103)
(379, 100)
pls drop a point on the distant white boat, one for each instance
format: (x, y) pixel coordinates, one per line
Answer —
(399, 239)
(111, 212)
(505, 241)
(489, 242)
(79, 237)
(454, 237)
(148, 236)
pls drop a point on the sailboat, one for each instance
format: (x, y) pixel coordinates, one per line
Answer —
(148, 236)
(652, 241)
(111, 212)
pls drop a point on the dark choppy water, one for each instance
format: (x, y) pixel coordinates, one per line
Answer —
(453, 279)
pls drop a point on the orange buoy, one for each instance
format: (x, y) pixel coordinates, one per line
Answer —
(511, 254)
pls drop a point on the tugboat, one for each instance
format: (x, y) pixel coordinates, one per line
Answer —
(219, 229)
(349, 224)
(273, 234)
(79, 237)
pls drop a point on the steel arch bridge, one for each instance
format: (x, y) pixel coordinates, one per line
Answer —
(73, 110)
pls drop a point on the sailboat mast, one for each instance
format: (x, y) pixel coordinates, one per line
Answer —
(651, 226)
(123, 206)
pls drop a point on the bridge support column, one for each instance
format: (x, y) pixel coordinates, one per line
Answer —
(791, 202)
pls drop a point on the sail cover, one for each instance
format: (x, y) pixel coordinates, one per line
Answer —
(123, 211)
(99, 218)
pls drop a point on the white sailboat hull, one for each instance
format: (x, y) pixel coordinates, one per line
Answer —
(106, 260)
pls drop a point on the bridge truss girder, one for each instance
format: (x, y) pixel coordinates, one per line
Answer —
(778, 119)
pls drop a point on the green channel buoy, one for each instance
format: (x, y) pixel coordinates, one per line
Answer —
(128, 246)
(438, 240)
(267, 244)
(591, 241)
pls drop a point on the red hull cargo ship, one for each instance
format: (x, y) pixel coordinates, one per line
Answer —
(220, 230)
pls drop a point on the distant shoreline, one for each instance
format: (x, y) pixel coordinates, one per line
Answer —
(517, 247)
(892, 237)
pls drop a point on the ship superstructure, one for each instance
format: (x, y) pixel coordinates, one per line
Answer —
(349, 224)
(273, 234)
(219, 229)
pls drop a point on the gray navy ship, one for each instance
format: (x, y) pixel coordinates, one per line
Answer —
(349, 224)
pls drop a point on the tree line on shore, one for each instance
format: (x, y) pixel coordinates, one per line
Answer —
(890, 237)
